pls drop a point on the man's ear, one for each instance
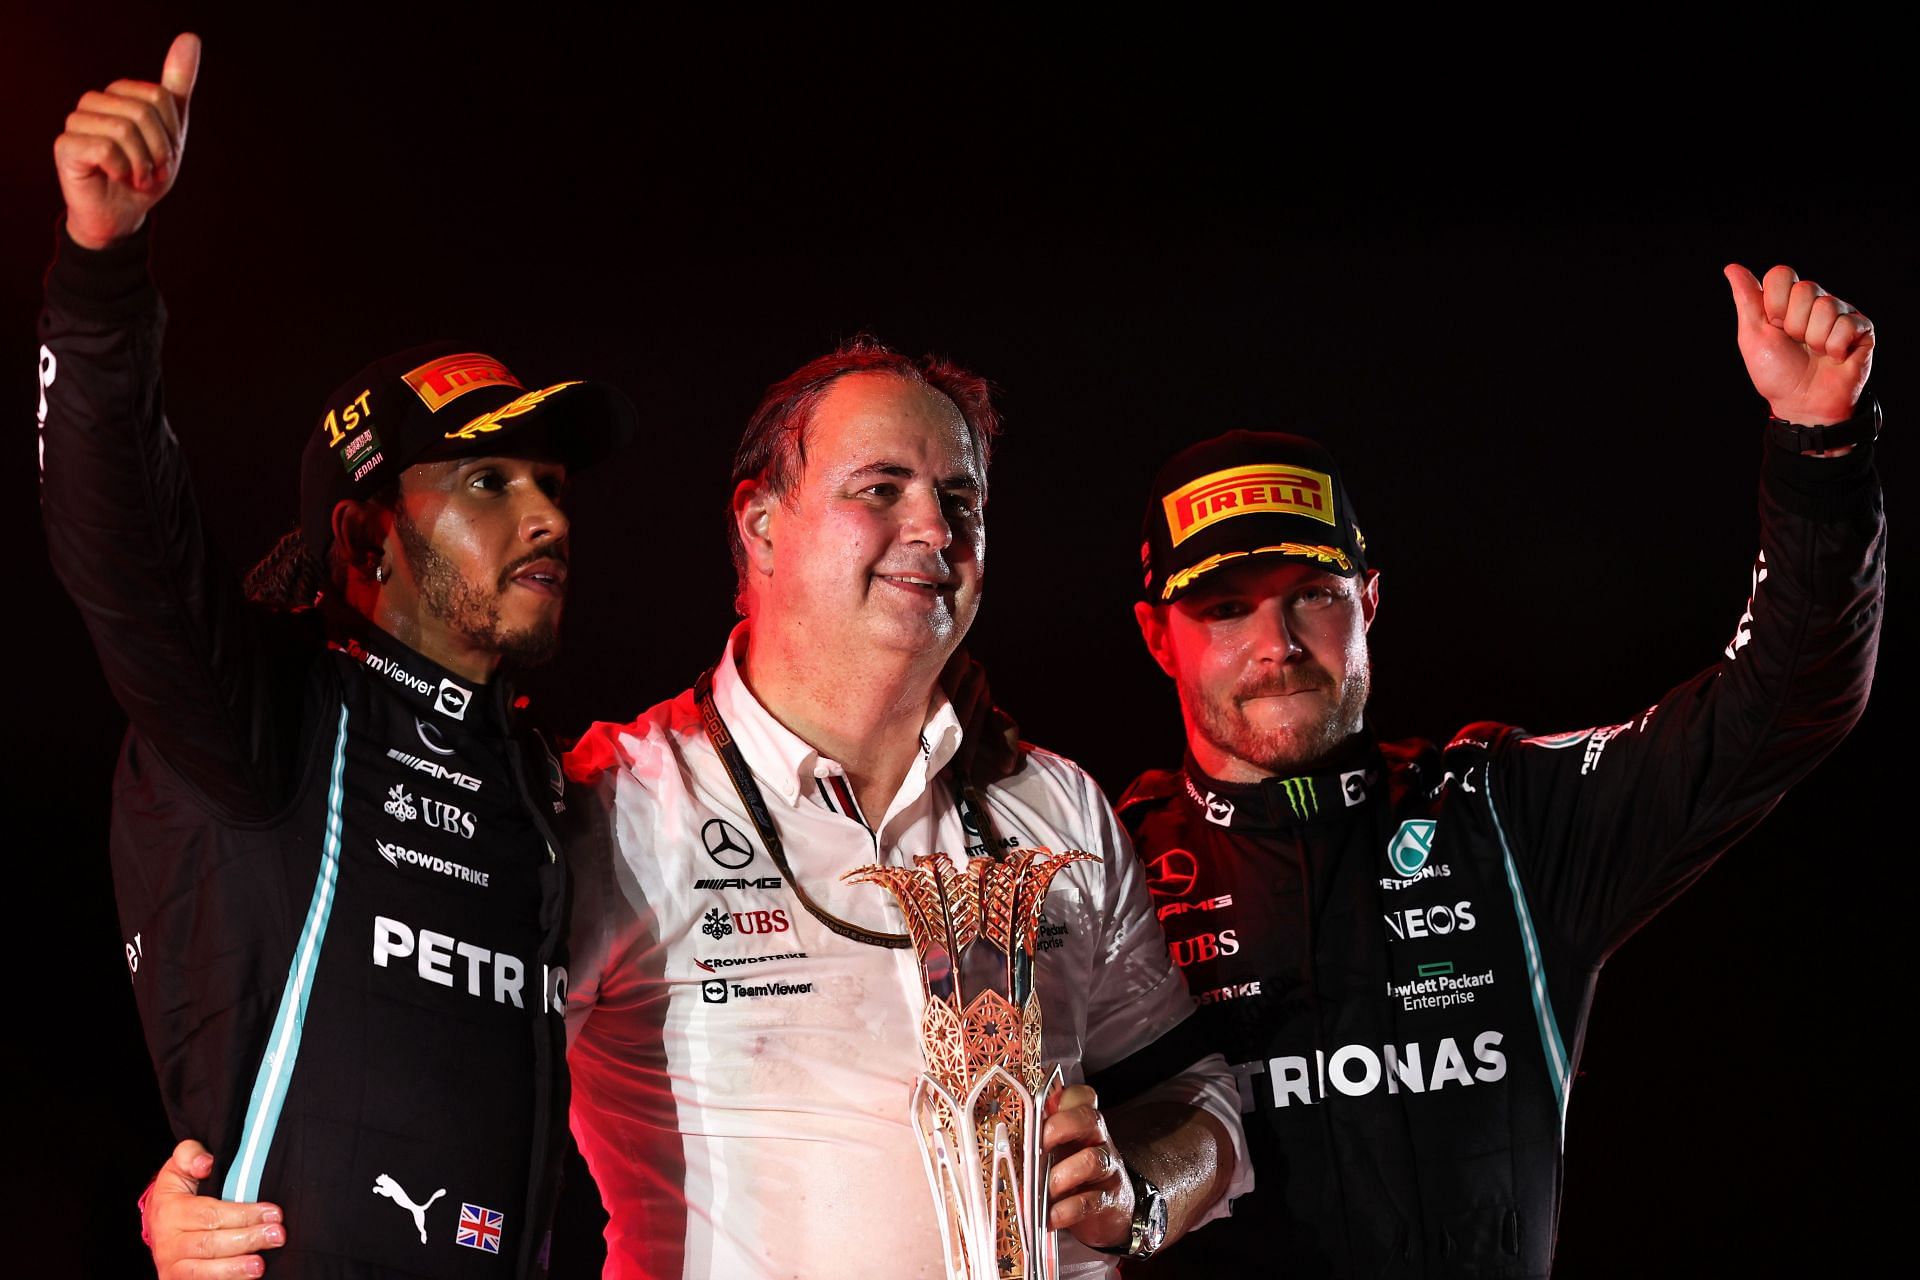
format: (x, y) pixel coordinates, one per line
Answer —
(360, 531)
(1369, 599)
(1153, 630)
(753, 504)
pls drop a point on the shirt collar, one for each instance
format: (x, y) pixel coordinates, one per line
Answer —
(782, 760)
(453, 702)
(1304, 800)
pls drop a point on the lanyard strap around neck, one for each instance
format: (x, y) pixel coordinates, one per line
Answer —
(756, 806)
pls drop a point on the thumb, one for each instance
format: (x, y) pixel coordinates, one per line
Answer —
(189, 1163)
(1747, 298)
(182, 67)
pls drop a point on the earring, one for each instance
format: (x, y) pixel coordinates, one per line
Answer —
(380, 572)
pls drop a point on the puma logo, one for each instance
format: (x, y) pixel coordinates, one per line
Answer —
(385, 1186)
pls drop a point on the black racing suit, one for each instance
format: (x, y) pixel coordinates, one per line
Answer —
(1398, 957)
(342, 903)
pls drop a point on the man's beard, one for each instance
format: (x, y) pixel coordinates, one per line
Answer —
(1291, 749)
(473, 611)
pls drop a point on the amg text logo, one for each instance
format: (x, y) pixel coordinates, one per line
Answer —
(434, 769)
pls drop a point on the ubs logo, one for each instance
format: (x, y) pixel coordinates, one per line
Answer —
(1173, 874)
(725, 844)
(452, 700)
(718, 924)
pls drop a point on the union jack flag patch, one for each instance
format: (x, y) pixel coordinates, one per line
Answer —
(479, 1228)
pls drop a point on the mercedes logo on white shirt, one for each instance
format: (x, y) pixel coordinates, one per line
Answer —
(725, 844)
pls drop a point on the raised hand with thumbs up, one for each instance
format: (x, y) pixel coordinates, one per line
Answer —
(120, 153)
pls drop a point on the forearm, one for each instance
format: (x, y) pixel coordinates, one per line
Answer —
(124, 534)
(1182, 1150)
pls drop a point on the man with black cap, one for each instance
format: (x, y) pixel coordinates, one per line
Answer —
(1395, 945)
(332, 845)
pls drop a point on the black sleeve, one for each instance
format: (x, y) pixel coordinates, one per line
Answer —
(181, 648)
(1610, 824)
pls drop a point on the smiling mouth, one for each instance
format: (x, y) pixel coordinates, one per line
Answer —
(546, 577)
(914, 582)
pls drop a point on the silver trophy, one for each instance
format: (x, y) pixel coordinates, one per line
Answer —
(978, 1106)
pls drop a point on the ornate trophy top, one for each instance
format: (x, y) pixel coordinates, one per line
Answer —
(978, 1106)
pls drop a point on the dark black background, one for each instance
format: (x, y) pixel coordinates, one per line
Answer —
(1483, 268)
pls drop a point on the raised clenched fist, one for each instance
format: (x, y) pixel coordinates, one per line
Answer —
(1807, 352)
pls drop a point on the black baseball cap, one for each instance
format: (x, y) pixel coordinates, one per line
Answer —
(1246, 493)
(445, 401)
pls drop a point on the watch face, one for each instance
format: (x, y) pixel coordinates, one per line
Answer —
(1149, 1220)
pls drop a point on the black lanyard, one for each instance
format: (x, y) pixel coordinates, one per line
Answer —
(756, 806)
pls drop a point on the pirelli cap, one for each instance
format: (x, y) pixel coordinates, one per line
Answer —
(443, 401)
(1246, 493)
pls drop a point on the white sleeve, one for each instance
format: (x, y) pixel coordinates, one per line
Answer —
(1137, 995)
(588, 841)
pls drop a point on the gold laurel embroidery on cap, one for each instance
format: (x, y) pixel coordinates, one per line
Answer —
(1325, 555)
(493, 419)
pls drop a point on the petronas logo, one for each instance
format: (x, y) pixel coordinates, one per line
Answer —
(1300, 796)
(1410, 847)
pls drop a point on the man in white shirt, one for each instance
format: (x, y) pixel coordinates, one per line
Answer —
(745, 1038)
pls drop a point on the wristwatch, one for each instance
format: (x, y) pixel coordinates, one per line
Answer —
(1797, 437)
(1149, 1228)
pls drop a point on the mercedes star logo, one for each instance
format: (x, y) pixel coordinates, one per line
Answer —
(430, 737)
(725, 844)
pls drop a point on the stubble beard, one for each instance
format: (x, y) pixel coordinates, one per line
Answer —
(1291, 749)
(469, 609)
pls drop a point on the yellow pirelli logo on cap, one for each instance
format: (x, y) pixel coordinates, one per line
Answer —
(1241, 491)
(439, 381)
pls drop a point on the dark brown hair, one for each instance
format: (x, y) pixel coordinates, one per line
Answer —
(773, 449)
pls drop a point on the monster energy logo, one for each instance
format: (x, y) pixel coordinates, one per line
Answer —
(1300, 796)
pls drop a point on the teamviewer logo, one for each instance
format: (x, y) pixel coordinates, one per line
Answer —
(714, 991)
(452, 700)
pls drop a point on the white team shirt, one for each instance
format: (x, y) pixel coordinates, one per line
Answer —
(741, 1073)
